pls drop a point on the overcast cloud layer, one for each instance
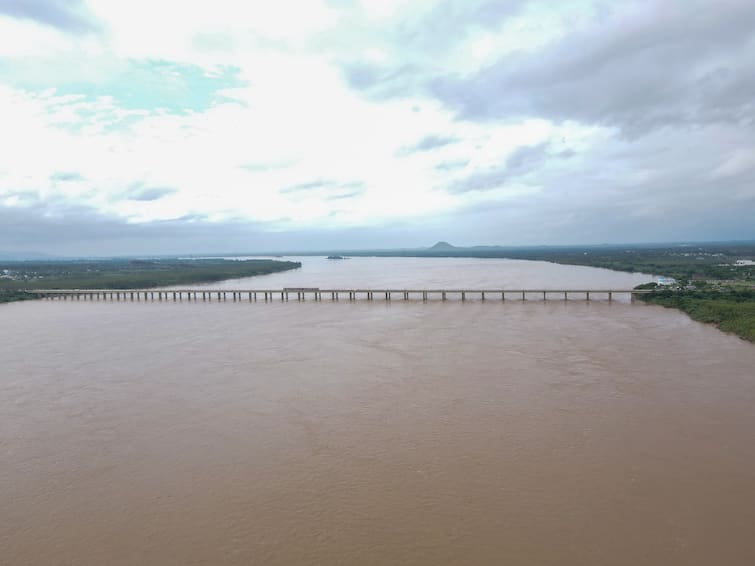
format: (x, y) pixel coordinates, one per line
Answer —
(162, 127)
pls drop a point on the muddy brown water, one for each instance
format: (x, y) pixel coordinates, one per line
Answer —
(545, 433)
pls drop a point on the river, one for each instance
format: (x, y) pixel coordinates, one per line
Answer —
(376, 433)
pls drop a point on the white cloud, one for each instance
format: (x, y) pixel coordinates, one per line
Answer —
(74, 130)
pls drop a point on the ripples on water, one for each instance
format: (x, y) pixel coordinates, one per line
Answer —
(376, 433)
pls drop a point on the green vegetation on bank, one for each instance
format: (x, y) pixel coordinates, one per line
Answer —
(125, 274)
(10, 295)
(732, 309)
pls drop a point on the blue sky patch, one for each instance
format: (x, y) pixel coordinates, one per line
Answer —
(135, 84)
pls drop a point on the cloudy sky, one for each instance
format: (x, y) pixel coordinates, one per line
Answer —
(157, 126)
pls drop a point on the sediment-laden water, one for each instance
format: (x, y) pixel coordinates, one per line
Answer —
(550, 433)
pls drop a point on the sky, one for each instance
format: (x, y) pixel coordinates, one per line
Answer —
(159, 127)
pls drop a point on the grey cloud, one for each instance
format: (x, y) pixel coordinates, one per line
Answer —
(521, 161)
(152, 193)
(66, 15)
(82, 231)
(341, 196)
(380, 81)
(322, 185)
(526, 157)
(641, 66)
(428, 143)
(452, 165)
(139, 192)
(308, 186)
(480, 181)
(450, 20)
(421, 41)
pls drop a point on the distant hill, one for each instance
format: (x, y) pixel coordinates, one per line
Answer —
(442, 247)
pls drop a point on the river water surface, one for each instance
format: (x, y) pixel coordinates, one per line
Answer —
(518, 433)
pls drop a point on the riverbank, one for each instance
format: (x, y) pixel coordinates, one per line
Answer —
(10, 296)
(730, 309)
(126, 274)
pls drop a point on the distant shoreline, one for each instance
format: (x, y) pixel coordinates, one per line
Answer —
(125, 274)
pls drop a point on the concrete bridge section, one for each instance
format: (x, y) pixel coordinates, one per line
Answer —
(317, 294)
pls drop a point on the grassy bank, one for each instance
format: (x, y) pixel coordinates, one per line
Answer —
(729, 308)
(126, 274)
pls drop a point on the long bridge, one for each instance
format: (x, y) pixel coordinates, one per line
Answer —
(318, 294)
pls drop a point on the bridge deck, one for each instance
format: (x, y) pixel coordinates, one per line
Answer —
(316, 293)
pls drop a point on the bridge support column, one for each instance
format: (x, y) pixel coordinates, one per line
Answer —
(463, 296)
(503, 296)
(588, 295)
(523, 297)
(543, 295)
(483, 295)
(565, 297)
(610, 296)
(443, 296)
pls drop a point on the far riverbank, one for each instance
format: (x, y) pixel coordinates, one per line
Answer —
(126, 274)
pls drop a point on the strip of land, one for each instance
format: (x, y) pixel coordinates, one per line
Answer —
(126, 274)
(730, 308)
